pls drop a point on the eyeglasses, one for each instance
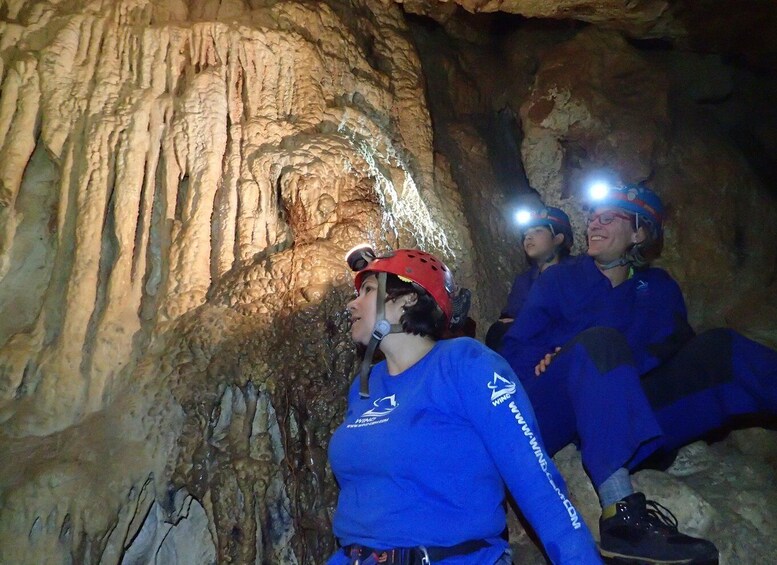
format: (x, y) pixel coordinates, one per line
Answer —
(606, 217)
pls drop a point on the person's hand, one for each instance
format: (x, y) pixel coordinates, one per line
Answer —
(542, 366)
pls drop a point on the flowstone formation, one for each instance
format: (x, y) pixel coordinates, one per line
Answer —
(179, 182)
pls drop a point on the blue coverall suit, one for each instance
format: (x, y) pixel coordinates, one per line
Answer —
(631, 376)
(515, 301)
(425, 459)
(522, 285)
(519, 291)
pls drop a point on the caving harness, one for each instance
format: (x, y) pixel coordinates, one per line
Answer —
(419, 555)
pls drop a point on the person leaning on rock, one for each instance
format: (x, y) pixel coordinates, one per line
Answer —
(433, 433)
(546, 236)
(631, 378)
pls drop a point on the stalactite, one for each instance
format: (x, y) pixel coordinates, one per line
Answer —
(203, 179)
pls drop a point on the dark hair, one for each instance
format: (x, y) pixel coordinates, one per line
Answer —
(424, 317)
(563, 249)
(647, 251)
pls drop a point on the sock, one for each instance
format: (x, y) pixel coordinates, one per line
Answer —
(615, 487)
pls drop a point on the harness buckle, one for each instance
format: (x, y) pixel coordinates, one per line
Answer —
(424, 555)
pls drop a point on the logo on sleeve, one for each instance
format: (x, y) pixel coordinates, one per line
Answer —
(501, 389)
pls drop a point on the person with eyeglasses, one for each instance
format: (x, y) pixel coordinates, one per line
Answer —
(547, 239)
(609, 361)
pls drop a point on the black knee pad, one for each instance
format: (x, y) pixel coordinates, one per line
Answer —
(704, 362)
(712, 342)
(607, 347)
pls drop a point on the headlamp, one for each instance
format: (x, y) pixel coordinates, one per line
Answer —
(523, 216)
(359, 257)
(599, 190)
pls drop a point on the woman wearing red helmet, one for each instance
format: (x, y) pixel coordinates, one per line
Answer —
(434, 432)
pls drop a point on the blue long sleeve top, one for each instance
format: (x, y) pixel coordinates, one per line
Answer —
(425, 459)
(647, 308)
(522, 285)
(519, 291)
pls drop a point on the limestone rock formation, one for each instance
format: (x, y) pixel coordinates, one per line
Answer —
(179, 183)
(180, 180)
(723, 491)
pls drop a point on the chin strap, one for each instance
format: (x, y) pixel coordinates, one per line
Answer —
(631, 258)
(612, 264)
(382, 329)
(618, 263)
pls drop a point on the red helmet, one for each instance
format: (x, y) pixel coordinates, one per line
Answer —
(412, 265)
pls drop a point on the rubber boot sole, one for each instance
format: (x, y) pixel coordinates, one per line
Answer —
(636, 561)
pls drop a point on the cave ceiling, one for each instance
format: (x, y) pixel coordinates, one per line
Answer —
(740, 30)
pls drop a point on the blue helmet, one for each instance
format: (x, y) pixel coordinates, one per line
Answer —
(634, 198)
(548, 216)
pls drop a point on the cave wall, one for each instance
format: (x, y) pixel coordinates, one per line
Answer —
(179, 182)
(588, 101)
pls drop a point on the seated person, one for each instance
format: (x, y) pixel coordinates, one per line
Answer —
(433, 434)
(608, 360)
(546, 235)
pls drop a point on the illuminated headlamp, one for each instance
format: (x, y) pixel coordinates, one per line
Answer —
(523, 217)
(359, 257)
(599, 191)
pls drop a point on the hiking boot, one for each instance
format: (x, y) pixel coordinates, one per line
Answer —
(635, 530)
